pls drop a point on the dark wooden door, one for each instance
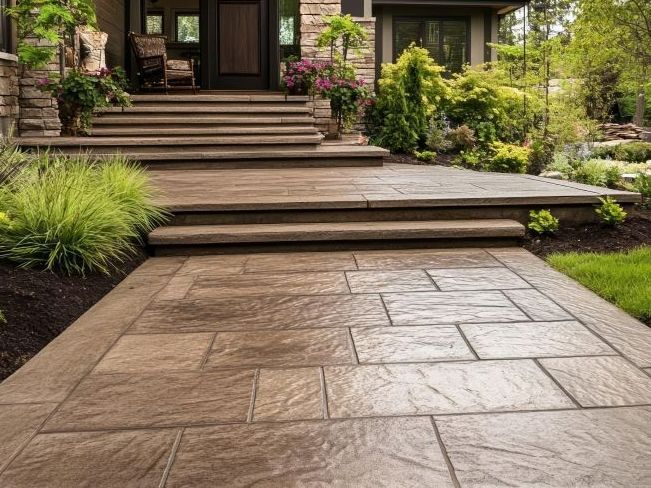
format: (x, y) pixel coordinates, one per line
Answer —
(238, 44)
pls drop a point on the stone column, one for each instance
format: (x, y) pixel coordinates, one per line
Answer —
(39, 113)
(8, 93)
(312, 24)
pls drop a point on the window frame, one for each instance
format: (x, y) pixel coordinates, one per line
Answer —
(186, 13)
(156, 13)
(422, 20)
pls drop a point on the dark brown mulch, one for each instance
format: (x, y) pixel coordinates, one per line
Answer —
(39, 305)
(634, 232)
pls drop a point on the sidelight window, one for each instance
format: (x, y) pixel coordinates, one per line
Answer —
(289, 29)
(154, 23)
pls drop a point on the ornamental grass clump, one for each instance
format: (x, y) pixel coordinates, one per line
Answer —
(77, 216)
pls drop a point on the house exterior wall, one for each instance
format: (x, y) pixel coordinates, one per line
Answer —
(111, 19)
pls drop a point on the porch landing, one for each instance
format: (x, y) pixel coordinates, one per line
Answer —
(253, 210)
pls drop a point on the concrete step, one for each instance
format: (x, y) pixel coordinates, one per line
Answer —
(156, 143)
(202, 130)
(239, 108)
(223, 97)
(257, 155)
(184, 239)
(121, 119)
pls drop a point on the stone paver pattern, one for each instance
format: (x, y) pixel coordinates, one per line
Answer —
(406, 368)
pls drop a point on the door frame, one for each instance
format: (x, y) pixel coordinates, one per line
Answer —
(208, 41)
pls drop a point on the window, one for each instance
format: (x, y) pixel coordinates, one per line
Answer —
(187, 27)
(289, 29)
(445, 39)
(154, 23)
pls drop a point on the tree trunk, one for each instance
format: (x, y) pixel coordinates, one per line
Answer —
(640, 106)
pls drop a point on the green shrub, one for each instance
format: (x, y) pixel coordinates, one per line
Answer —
(425, 156)
(541, 156)
(598, 172)
(633, 152)
(462, 138)
(642, 185)
(561, 163)
(508, 158)
(437, 135)
(76, 216)
(409, 92)
(482, 100)
(473, 159)
(542, 222)
(610, 212)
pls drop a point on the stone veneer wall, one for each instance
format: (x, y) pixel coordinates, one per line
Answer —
(311, 25)
(39, 113)
(8, 93)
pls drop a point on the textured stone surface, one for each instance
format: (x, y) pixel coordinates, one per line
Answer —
(421, 389)
(451, 307)
(370, 452)
(627, 335)
(92, 459)
(280, 348)
(601, 381)
(607, 447)
(150, 400)
(476, 279)
(288, 394)
(533, 339)
(389, 281)
(155, 352)
(270, 284)
(17, 424)
(409, 344)
(262, 263)
(536, 305)
(273, 312)
(425, 259)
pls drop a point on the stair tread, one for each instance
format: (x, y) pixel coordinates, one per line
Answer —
(336, 231)
(234, 119)
(220, 97)
(205, 130)
(167, 141)
(192, 109)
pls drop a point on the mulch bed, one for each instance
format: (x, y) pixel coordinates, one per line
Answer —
(634, 232)
(39, 305)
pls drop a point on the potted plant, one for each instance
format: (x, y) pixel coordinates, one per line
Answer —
(80, 93)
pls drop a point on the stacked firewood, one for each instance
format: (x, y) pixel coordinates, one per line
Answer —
(613, 132)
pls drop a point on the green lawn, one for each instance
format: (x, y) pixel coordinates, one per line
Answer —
(623, 278)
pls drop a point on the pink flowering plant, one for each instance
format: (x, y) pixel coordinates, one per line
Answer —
(346, 96)
(80, 93)
(300, 76)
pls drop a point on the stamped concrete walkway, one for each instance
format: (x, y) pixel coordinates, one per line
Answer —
(410, 368)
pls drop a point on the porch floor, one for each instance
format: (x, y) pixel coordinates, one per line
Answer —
(392, 186)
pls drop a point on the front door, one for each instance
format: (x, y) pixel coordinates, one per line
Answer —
(237, 45)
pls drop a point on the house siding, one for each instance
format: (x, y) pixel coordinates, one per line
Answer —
(111, 19)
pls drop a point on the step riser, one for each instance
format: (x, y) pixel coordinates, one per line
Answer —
(198, 250)
(208, 109)
(231, 120)
(135, 131)
(568, 214)
(261, 163)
